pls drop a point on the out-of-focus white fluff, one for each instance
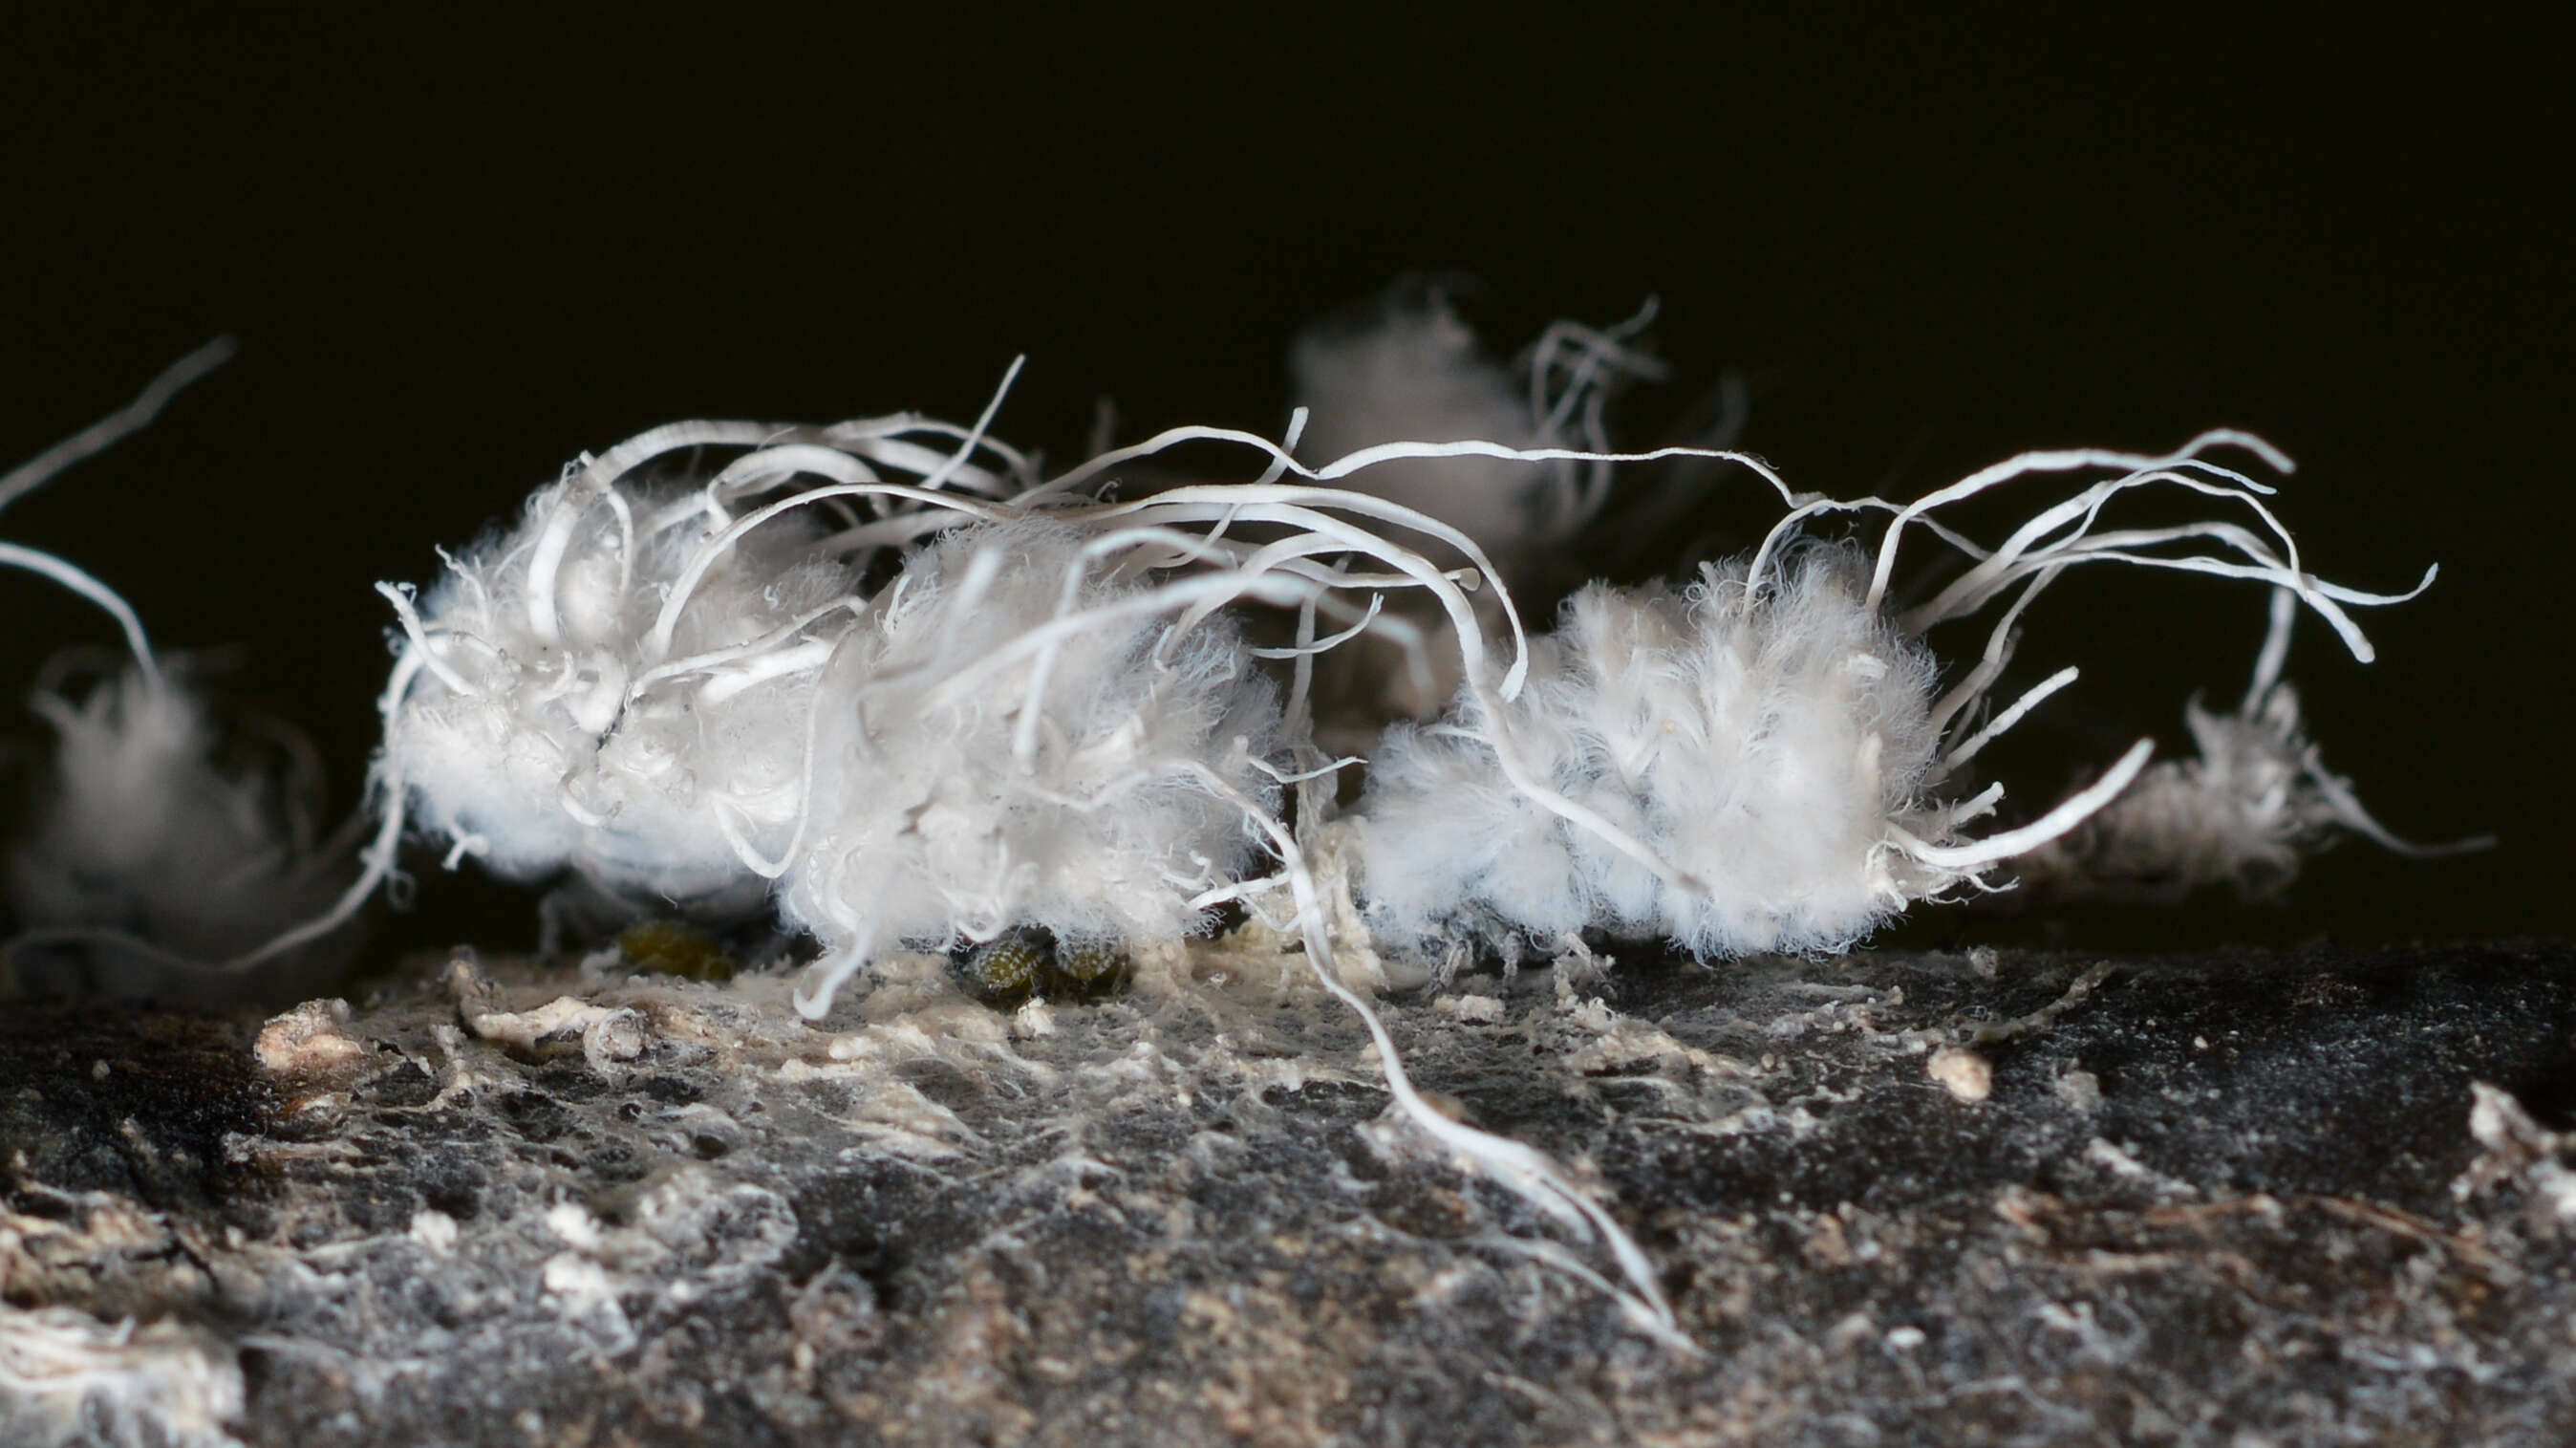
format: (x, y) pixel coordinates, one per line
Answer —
(144, 830)
(931, 821)
(1413, 373)
(1418, 376)
(1763, 741)
(2245, 813)
(169, 852)
(538, 753)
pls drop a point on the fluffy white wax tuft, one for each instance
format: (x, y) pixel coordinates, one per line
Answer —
(1761, 762)
(537, 753)
(931, 824)
(1763, 742)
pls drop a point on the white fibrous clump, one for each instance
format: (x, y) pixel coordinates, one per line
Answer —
(542, 749)
(1764, 743)
(2244, 813)
(1022, 737)
(620, 685)
(1762, 762)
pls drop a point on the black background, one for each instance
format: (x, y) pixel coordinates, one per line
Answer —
(456, 256)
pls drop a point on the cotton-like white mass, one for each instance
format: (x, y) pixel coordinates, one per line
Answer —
(621, 682)
(556, 722)
(2242, 813)
(1021, 734)
(1763, 741)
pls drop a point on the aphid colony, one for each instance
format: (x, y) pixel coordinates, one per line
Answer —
(888, 679)
(885, 677)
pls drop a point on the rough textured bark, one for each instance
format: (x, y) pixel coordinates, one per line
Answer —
(1895, 1198)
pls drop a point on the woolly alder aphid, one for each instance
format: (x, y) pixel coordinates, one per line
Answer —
(1049, 719)
(2244, 812)
(168, 845)
(1765, 759)
(964, 783)
(619, 685)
